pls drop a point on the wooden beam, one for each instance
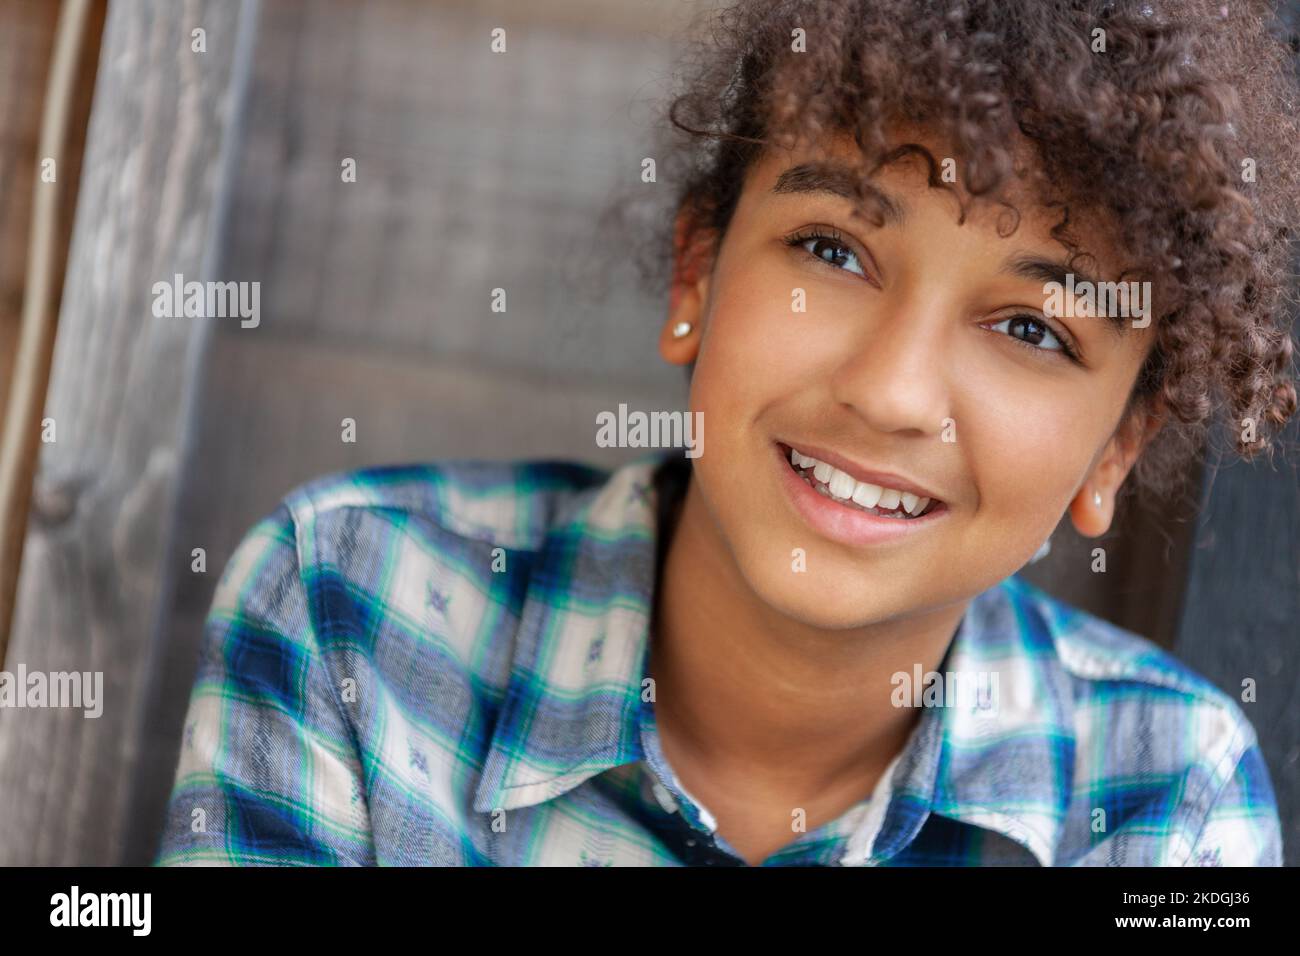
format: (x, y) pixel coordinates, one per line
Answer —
(55, 49)
(26, 44)
(162, 136)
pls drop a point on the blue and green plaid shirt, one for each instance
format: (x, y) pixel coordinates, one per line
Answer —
(444, 664)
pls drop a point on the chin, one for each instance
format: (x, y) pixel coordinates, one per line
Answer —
(827, 600)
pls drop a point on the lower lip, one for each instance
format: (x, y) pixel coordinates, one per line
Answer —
(842, 523)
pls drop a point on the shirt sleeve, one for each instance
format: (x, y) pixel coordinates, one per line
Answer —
(268, 772)
(1242, 827)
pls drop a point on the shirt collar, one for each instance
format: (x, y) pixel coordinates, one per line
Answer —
(574, 704)
(1007, 768)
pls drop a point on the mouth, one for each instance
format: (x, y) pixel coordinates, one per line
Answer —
(839, 488)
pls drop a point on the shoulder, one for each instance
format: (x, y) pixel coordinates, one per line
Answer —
(1164, 745)
(1094, 652)
(349, 548)
(511, 504)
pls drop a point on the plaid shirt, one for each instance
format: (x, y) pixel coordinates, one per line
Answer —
(443, 664)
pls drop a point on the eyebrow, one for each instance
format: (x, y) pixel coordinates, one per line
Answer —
(837, 180)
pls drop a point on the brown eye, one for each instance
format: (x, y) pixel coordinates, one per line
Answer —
(830, 250)
(1036, 333)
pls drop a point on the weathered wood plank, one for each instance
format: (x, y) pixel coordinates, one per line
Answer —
(161, 133)
(40, 178)
(475, 170)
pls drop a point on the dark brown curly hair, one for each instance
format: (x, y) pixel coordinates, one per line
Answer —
(1156, 135)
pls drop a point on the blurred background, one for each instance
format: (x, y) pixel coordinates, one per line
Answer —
(474, 170)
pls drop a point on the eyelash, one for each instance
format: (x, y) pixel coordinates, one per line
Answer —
(832, 235)
(1066, 349)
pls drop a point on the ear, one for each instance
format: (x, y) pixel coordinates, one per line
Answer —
(1093, 508)
(680, 337)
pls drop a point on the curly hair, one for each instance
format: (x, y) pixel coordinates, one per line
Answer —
(1158, 135)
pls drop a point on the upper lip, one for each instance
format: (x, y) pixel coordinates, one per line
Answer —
(886, 479)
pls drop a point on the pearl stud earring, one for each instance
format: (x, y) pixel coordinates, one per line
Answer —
(1096, 499)
(682, 329)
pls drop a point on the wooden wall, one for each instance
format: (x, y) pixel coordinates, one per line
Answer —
(375, 300)
(94, 573)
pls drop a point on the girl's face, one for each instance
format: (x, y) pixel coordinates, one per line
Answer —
(916, 357)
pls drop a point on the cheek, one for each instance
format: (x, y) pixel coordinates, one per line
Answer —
(755, 357)
(771, 332)
(752, 327)
(750, 353)
(1028, 456)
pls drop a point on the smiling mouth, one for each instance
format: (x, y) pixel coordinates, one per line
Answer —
(844, 489)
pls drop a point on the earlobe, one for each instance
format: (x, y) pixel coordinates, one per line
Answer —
(1093, 507)
(1092, 510)
(679, 339)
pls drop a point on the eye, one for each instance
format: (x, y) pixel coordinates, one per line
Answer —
(1035, 332)
(827, 246)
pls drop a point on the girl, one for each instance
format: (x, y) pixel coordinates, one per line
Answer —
(940, 276)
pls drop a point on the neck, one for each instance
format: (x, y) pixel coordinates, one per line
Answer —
(750, 693)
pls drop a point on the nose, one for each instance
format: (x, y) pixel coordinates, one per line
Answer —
(896, 377)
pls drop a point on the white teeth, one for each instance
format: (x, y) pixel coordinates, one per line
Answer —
(867, 494)
(845, 487)
(841, 485)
